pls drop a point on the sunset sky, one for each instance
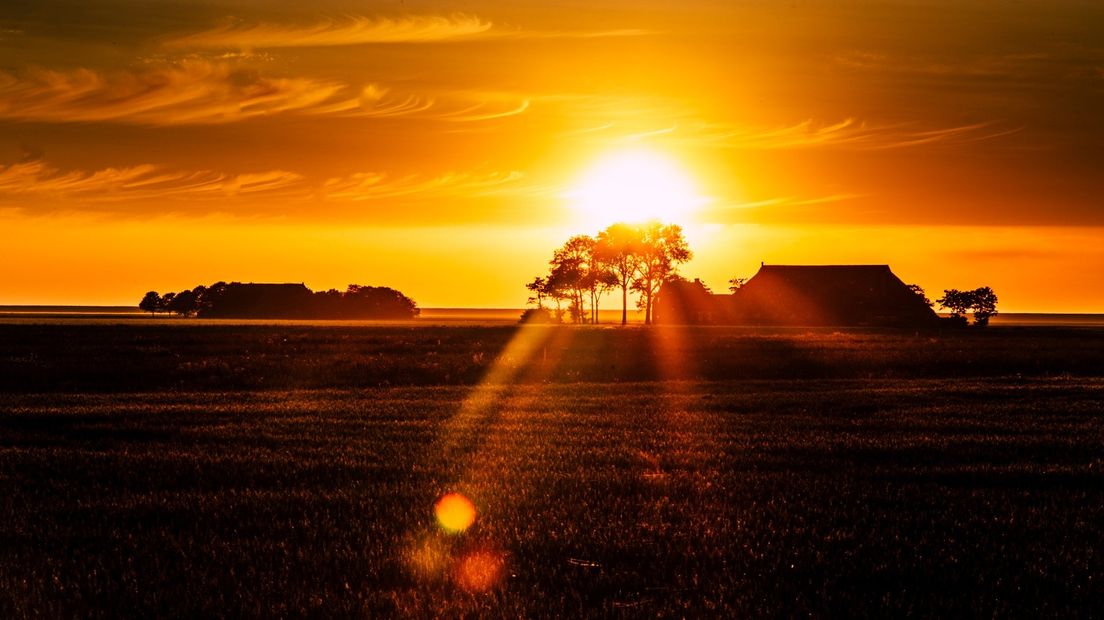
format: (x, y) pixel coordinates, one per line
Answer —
(439, 147)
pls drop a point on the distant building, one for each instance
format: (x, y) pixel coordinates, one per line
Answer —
(813, 295)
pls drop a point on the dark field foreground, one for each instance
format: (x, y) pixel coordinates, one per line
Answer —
(185, 356)
(871, 495)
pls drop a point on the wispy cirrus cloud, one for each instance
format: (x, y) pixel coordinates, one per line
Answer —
(847, 133)
(611, 119)
(349, 30)
(373, 186)
(39, 181)
(755, 210)
(203, 92)
(363, 30)
(35, 185)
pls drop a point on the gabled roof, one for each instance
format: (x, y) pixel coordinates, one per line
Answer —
(830, 295)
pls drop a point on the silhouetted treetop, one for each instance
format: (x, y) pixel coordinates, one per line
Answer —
(623, 256)
(982, 302)
(150, 303)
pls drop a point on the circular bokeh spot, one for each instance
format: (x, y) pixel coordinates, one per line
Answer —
(479, 571)
(455, 513)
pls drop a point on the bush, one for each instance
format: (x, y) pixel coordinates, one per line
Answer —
(537, 315)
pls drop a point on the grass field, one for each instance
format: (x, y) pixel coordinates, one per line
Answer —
(289, 471)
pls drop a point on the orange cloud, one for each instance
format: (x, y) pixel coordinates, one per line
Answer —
(361, 30)
(616, 119)
(207, 191)
(350, 30)
(371, 186)
(768, 209)
(202, 92)
(848, 133)
(36, 179)
(188, 92)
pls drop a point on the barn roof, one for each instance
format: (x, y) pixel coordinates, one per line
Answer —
(830, 295)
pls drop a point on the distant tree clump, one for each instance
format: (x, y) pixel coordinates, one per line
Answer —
(537, 315)
(981, 302)
(150, 303)
(623, 256)
(183, 303)
(293, 301)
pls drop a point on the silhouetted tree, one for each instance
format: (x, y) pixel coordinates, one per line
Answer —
(210, 297)
(183, 303)
(558, 287)
(662, 248)
(736, 284)
(919, 290)
(618, 248)
(981, 301)
(571, 270)
(958, 302)
(985, 305)
(601, 280)
(537, 286)
(166, 301)
(150, 303)
(377, 302)
(537, 315)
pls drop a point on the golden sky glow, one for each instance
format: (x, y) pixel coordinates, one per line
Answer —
(446, 149)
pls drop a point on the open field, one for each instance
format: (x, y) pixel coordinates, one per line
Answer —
(25, 315)
(292, 470)
(181, 356)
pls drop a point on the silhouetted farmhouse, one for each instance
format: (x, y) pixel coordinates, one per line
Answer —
(826, 295)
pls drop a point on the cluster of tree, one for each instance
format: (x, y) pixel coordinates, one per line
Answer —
(981, 302)
(623, 256)
(238, 300)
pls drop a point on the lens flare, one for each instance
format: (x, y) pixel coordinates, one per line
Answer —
(479, 571)
(427, 558)
(455, 513)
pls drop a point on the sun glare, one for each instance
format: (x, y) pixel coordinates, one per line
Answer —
(634, 186)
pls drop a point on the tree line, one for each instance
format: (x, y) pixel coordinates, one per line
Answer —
(625, 257)
(238, 300)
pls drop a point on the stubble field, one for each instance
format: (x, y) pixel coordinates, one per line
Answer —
(288, 471)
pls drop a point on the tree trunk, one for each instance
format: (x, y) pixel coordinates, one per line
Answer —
(624, 302)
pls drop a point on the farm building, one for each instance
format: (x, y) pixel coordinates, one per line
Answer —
(835, 295)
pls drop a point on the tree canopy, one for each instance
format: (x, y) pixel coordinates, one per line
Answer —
(981, 302)
(623, 256)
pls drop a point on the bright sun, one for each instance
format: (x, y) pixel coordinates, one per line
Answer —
(634, 186)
